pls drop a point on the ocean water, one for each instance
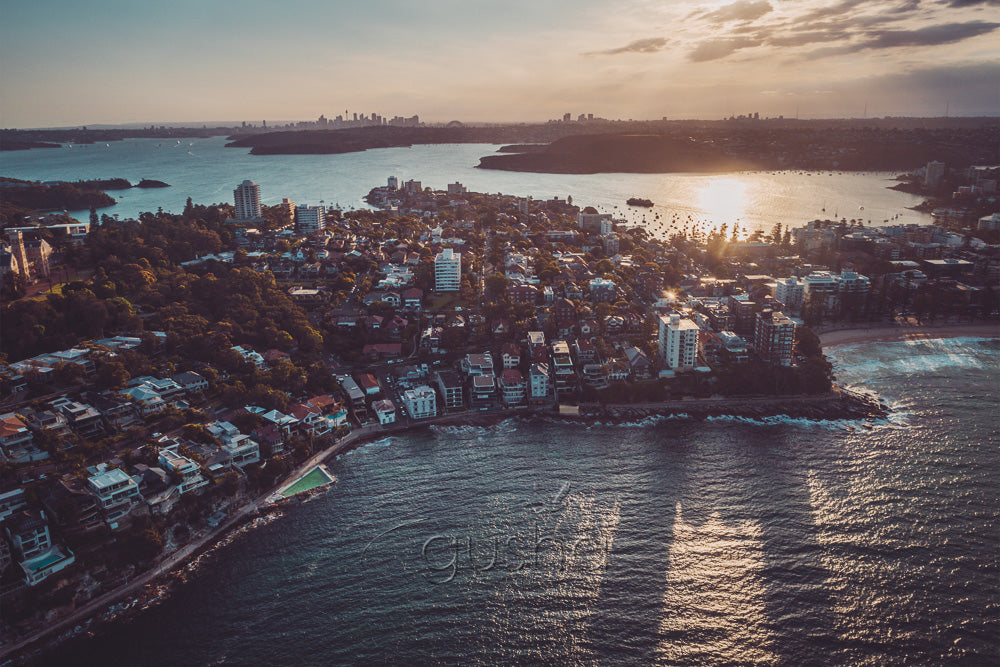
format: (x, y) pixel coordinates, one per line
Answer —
(667, 542)
(206, 171)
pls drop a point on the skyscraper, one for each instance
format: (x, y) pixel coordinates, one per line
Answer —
(247, 196)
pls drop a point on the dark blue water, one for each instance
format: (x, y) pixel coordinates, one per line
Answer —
(673, 543)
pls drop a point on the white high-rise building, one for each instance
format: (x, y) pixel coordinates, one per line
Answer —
(247, 196)
(790, 292)
(448, 270)
(678, 342)
(309, 219)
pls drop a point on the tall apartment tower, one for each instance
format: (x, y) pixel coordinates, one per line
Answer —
(448, 271)
(774, 338)
(933, 173)
(678, 342)
(247, 196)
(309, 219)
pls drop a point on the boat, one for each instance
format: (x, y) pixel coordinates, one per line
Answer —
(635, 201)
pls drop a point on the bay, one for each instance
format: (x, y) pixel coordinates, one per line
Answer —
(206, 171)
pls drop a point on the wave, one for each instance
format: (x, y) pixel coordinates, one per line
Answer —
(474, 431)
(893, 421)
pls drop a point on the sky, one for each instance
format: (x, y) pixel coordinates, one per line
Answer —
(70, 63)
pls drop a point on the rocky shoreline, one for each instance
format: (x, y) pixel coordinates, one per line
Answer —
(840, 405)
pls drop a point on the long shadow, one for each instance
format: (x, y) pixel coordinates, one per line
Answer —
(799, 607)
(623, 624)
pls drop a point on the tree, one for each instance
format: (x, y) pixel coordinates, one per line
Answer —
(807, 343)
(496, 287)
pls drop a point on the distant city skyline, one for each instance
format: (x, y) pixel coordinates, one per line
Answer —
(116, 62)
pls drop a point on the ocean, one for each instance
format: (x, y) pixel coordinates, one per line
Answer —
(667, 542)
(206, 171)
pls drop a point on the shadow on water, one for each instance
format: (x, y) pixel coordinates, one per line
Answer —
(799, 607)
(624, 617)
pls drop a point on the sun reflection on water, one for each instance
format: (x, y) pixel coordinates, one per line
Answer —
(715, 572)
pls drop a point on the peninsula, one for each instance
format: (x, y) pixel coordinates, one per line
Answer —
(200, 361)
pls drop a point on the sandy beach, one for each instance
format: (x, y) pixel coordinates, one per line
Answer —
(908, 332)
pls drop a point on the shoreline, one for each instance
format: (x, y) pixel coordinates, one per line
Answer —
(901, 332)
(156, 584)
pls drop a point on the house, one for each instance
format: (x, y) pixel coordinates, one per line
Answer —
(512, 388)
(355, 397)
(166, 388)
(603, 290)
(244, 450)
(385, 410)
(73, 507)
(595, 375)
(186, 471)
(369, 384)
(83, 418)
(477, 364)
(376, 351)
(309, 419)
(270, 439)
(395, 327)
(118, 412)
(12, 501)
(589, 327)
(482, 391)
(510, 354)
(586, 351)
(17, 441)
(331, 408)
(29, 534)
(420, 402)
(450, 385)
(116, 493)
(638, 362)
(430, 339)
(155, 487)
(146, 400)
(519, 292)
(412, 298)
(539, 386)
(564, 310)
(536, 346)
(562, 365)
(191, 382)
(249, 356)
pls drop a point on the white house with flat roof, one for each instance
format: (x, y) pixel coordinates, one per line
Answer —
(420, 402)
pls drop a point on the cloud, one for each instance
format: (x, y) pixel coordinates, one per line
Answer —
(714, 49)
(742, 10)
(807, 37)
(973, 3)
(647, 45)
(948, 33)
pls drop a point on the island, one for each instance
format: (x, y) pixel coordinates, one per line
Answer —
(19, 197)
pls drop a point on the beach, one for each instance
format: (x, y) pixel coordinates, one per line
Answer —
(908, 332)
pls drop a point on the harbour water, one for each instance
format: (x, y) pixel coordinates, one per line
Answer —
(678, 542)
(206, 171)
